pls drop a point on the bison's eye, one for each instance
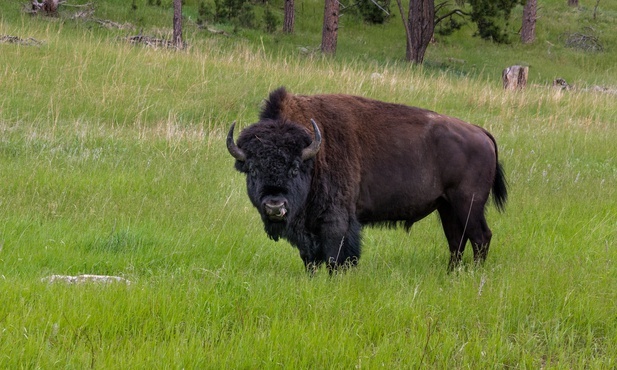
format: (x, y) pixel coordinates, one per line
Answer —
(252, 171)
(294, 170)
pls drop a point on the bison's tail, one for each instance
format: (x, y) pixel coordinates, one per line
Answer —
(500, 188)
(500, 185)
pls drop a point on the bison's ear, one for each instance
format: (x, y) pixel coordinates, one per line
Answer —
(311, 150)
(232, 147)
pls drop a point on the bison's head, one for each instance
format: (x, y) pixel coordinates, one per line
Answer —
(277, 158)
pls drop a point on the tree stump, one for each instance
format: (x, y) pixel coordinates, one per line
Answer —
(515, 77)
(50, 7)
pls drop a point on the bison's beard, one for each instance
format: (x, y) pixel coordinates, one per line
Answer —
(275, 229)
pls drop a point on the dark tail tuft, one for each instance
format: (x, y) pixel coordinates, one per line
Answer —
(500, 185)
(500, 188)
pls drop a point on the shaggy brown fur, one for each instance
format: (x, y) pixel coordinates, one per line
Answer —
(378, 163)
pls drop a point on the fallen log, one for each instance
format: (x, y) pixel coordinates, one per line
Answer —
(80, 279)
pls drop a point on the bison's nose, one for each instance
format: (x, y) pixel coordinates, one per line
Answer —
(275, 209)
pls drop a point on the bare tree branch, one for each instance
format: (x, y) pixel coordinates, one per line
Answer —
(451, 13)
(380, 7)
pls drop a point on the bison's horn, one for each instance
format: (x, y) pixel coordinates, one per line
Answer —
(311, 150)
(232, 147)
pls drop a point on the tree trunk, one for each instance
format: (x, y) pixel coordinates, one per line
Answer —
(528, 31)
(330, 27)
(421, 21)
(288, 22)
(177, 37)
(515, 77)
(573, 2)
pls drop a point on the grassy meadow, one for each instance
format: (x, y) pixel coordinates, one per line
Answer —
(112, 161)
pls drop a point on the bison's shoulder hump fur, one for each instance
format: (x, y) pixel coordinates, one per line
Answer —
(274, 104)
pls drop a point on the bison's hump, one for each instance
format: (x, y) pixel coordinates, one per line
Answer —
(273, 105)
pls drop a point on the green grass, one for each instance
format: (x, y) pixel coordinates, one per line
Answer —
(112, 161)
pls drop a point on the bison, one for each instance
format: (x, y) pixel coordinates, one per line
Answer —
(318, 168)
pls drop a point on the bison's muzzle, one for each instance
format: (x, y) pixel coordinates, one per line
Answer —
(275, 208)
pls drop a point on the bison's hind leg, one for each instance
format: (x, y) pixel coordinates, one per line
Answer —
(454, 231)
(481, 241)
(470, 212)
(463, 219)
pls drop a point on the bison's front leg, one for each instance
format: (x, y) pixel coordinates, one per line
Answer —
(311, 263)
(341, 244)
